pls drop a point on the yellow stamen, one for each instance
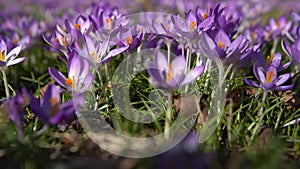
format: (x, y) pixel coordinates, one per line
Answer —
(169, 73)
(77, 26)
(221, 45)
(157, 21)
(168, 27)
(192, 26)
(205, 15)
(15, 41)
(69, 82)
(2, 56)
(270, 75)
(128, 40)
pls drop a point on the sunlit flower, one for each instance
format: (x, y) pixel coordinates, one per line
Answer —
(78, 79)
(10, 58)
(268, 79)
(171, 76)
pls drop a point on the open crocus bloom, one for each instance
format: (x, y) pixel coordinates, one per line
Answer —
(171, 76)
(268, 79)
(79, 78)
(10, 58)
(50, 109)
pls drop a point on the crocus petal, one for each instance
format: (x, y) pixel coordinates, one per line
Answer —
(57, 118)
(161, 61)
(86, 83)
(223, 38)
(58, 77)
(295, 53)
(16, 61)
(113, 53)
(284, 88)
(259, 74)
(14, 52)
(156, 74)
(207, 46)
(36, 108)
(250, 82)
(282, 79)
(193, 74)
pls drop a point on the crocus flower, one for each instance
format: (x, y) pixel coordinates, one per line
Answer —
(280, 27)
(60, 39)
(171, 76)
(10, 58)
(225, 49)
(293, 50)
(15, 106)
(79, 28)
(268, 79)
(125, 40)
(79, 78)
(50, 109)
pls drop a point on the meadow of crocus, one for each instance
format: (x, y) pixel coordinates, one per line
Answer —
(211, 84)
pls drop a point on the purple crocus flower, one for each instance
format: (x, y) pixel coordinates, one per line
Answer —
(50, 109)
(79, 78)
(125, 40)
(280, 27)
(15, 106)
(293, 50)
(59, 40)
(10, 58)
(171, 76)
(225, 49)
(268, 79)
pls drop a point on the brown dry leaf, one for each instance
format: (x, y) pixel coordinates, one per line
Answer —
(190, 104)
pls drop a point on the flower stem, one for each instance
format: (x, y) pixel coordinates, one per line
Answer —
(260, 112)
(168, 116)
(5, 83)
(169, 52)
(274, 46)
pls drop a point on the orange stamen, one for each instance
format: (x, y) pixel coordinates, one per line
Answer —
(192, 26)
(15, 41)
(270, 75)
(69, 82)
(128, 40)
(270, 59)
(169, 73)
(94, 57)
(107, 20)
(77, 26)
(253, 35)
(55, 40)
(267, 36)
(53, 101)
(278, 24)
(205, 15)
(64, 42)
(221, 45)
(2, 56)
